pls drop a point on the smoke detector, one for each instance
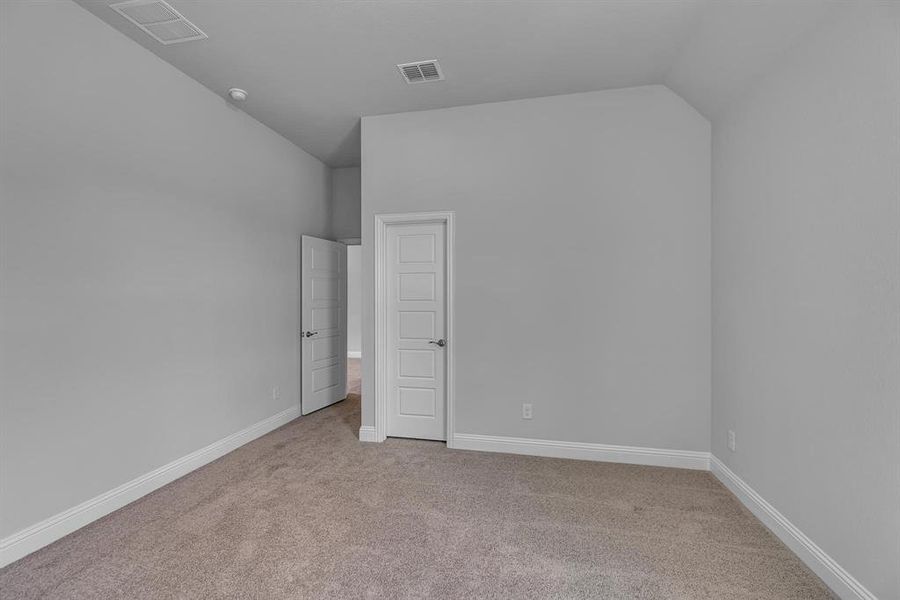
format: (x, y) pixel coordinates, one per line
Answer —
(421, 71)
(237, 94)
(159, 20)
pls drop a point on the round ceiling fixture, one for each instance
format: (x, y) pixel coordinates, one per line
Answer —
(237, 94)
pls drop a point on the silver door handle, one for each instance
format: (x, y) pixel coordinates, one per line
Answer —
(440, 343)
(310, 333)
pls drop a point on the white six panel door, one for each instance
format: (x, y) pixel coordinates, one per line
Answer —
(323, 321)
(416, 326)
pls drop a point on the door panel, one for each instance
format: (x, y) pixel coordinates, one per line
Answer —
(416, 325)
(416, 317)
(323, 310)
(417, 402)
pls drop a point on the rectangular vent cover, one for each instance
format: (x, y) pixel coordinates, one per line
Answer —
(162, 22)
(421, 71)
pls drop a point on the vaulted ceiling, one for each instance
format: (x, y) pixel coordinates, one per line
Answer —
(314, 68)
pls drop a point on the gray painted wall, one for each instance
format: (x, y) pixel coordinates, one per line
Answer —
(582, 263)
(345, 199)
(345, 224)
(149, 236)
(354, 298)
(806, 291)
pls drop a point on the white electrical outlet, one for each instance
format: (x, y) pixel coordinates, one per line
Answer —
(276, 393)
(526, 411)
(731, 440)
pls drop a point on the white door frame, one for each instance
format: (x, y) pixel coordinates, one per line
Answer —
(382, 221)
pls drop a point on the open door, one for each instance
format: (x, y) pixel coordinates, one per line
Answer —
(323, 314)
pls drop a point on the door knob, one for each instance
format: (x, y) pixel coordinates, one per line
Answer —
(440, 342)
(310, 333)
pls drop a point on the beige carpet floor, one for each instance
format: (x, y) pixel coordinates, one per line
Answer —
(310, 512)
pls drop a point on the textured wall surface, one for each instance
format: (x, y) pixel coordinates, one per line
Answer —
(806, 290)
(582, 260)
(345, 198)
(149, 243)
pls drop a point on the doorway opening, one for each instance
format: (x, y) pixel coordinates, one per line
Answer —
(354, 321)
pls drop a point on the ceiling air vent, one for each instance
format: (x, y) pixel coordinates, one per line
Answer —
(161, 21)
(421, 71)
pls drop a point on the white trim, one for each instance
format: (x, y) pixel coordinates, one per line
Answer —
(834, 575)
(354, 353)
(682, 459)
(381, 393)
(367, 434)
(49, 530)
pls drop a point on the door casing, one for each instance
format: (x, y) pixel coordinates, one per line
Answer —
(382, 222)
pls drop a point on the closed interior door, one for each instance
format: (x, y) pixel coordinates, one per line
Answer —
(324, 317)
(416, 328)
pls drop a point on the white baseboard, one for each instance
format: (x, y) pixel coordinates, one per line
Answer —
(836, 577)
(49, 530)
(367, 434)
(354, 353)
(682, 459)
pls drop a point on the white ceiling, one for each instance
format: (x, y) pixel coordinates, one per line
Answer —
(313, 68)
